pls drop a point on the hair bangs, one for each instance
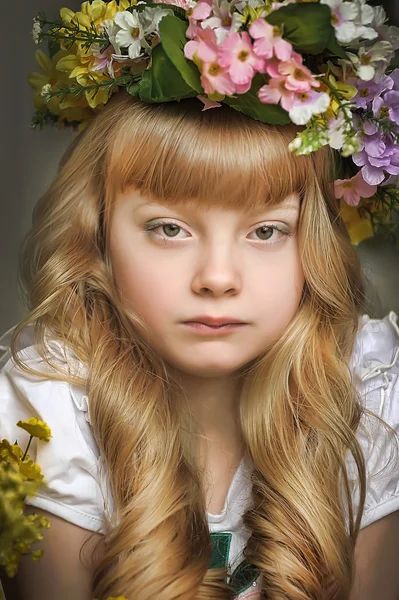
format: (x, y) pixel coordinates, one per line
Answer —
(219, 157)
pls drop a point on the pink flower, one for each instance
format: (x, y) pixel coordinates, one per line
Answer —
(269, 41)
(204, 45)
(222, 20)
(208, 103)
(353, 189)
(236, 55)
(276, 92)
(299, 78)
(200, 11)
(214, 78)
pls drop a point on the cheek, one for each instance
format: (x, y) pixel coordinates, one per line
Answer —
(282, 287)
(147, 290)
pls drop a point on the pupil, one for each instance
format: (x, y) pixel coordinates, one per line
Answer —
(172, 225)
(269, 231)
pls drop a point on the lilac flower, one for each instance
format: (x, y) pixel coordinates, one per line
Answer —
(395, 78)
(379, 157)
(387, 106)
(368, 90)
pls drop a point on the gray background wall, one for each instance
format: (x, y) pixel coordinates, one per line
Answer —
(29, 159)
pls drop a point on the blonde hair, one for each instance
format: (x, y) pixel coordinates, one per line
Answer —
(299, 410)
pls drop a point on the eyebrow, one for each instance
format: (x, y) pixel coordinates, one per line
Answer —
(290, 205)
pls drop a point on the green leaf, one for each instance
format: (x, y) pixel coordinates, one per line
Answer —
(307, 26)
(134, 88)
(334, 47)
(250, 104)
(173, 40)
(162, 82)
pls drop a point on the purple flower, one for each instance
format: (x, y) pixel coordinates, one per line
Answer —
(387, 106)
(379, 157)
(395, 78)
(368, 90)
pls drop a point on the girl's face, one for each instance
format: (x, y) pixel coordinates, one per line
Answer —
(216, 262)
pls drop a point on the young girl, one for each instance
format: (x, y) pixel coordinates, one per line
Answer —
(255, 459)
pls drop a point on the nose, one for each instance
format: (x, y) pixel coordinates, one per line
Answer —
(218, 272)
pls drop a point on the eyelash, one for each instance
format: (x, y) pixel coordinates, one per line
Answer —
(153, 226)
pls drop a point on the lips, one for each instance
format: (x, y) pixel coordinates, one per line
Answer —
(215, 321)
(209, 324)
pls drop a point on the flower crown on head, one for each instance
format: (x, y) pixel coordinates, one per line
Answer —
(321, 64)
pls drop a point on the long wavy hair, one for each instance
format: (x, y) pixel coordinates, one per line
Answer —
(299, 409)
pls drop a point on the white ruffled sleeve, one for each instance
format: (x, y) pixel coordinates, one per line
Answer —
(375, 369)
(69, 461)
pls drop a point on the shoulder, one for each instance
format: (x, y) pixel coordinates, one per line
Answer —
(70, 461)
(375, 371)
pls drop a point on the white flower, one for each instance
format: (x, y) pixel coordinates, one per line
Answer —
(128, 30)
(380, 16)
(45, 91)
(371, 63)
(111, 29)
(365, 17)
(389, 34)
(222, 21)
(308, 104)
(130, 33)
(295, 144)
(36, 30)
(350, 20)
(150, 18)
(340, 131)
(336, 133)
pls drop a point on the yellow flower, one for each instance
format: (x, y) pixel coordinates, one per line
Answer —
(36, 428)
(77, 109)
(31, 470)
(80, 68)
(359, 228)
(10, 451)
(18, 531)
(250, 13)
(346, 92)
(91, 12)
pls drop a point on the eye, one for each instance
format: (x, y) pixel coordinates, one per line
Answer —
(267, 231)
(173, 228)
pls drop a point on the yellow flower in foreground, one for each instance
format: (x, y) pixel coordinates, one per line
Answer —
(31, 470)
(10, 452)
(36, 428)
(359, 228)
(18, 531)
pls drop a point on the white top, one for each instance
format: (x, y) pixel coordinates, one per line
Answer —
(70, 462)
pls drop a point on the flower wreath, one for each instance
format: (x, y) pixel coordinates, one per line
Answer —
(321, 64)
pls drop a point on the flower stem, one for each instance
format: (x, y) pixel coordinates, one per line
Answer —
(27, 448)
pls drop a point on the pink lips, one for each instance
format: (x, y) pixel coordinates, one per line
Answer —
(202, 328)
(214, 321)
